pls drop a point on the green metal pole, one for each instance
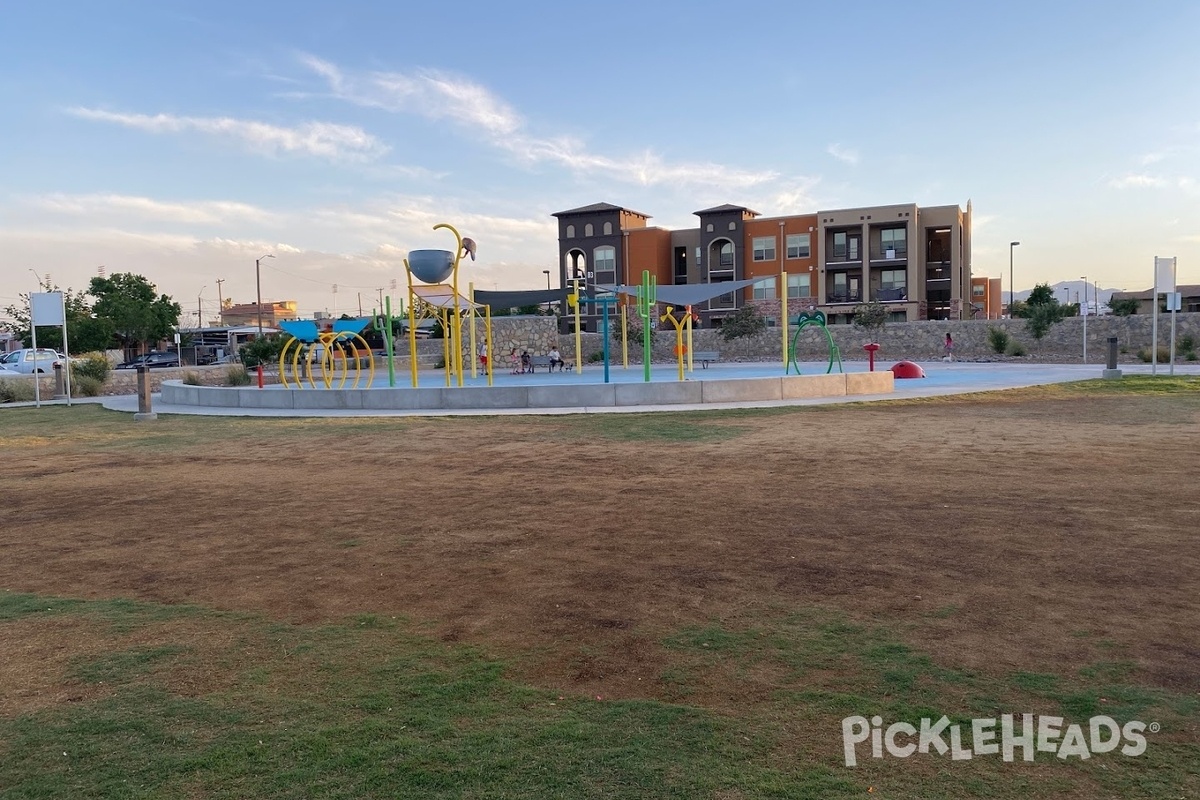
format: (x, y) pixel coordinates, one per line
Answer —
(390, 341)
(647, 299)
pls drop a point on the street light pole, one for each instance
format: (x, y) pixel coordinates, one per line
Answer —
(200, 308)
(546, 272)
(1012, 286)
(1085, 316)
(258, 286)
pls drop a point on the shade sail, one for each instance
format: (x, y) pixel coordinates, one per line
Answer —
(516, 299)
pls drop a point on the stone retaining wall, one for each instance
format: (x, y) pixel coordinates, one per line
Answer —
(924, 340)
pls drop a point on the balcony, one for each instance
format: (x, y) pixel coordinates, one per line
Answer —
(897, 257)
(723, 302)
(843, 297)
(891, 295)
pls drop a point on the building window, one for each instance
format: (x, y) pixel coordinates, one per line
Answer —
(764, 248)
(764, 289)
(893, 284)
(977, 291)
(733, 226)
(608, 229)
(588, 230)
(839, 245)
(605, 259)
(898, 316)
(709, 228)
(725, 257)
(570, 231)
(895, 240)
(799, 245)
(800, 286)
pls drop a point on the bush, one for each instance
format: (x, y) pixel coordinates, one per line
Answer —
(636, 331)
(91, 365)
(871, 317)
(237, 375)
(86, 386)
(16, 391)
(191, 378)
(441, 363)
(1187, 343)
(746, 321)
(596, 357)
(998, 340)
(264, 350)
(1016, 349)
(1164, 355)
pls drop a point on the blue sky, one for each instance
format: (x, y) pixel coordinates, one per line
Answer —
(183, 140)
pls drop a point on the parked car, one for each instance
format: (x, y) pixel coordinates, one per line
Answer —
(28, 361)
(151, 360)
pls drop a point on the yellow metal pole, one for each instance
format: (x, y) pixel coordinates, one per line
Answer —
(458, 340)
(487, 332)
(471, 297)
(783, 298)
(447, 356)
(691, 362)
(578, 335)
(412, 327)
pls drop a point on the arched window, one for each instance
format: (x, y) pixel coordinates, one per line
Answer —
(588, 230)
(605, 259)
(570, 231)
(709, 228)
(726, 258)
(608, 229)
(733, 226)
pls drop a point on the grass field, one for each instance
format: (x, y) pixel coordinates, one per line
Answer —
(634, 606)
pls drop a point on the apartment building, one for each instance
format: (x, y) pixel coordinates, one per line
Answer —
(916, 260)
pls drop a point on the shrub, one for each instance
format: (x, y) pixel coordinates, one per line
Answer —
(16, 391)
(1145, 354)
(91, 365)
(871, 317)
(86, 386)
(191, 378)
(596, 357)
(237, 375)
(441, 363)
(998, 339)
(636, 331)
(1187, 343)
(264, 350)
(746, 321)
(1016, 349)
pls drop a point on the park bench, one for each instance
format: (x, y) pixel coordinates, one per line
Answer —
(544, 361)
(705, 356)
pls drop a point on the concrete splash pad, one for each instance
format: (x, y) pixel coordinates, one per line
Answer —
(552, 391)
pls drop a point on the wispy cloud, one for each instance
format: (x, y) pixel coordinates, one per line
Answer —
(843, 154)
(1137, 181)
(474, 108)
(322, 139)
(145, 208)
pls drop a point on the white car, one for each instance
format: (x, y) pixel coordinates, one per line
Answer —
(29, 361)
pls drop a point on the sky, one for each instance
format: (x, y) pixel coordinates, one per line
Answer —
(184, 140)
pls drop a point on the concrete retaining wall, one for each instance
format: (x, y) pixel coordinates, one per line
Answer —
(537, 396)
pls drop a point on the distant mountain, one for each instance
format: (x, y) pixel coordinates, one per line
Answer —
(1072, 292)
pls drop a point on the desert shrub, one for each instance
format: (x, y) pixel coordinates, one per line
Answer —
(1016, 349)
(16, 390)
(91, 365)
(440, 363)
(264, 350)
(86, 386)
(1187, 343)
(191, 378)
(596, 357)
(636, 331)
(1190, 355)
(1146, 355)
(998, 340)
(237, 375)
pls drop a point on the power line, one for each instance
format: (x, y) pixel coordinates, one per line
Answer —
(323, 282)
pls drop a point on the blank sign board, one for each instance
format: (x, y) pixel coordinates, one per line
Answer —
(46, 308)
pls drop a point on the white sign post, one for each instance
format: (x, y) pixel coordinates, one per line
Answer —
(48, 309)
(1164, 281)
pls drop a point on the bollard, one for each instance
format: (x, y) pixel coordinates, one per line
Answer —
(60, 387)
(1112, 371)
(144, 412)
(260, 376)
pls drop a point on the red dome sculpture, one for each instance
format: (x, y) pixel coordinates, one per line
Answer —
(907, 369)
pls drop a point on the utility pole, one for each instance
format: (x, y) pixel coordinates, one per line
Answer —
(220, 296)
(360, 304)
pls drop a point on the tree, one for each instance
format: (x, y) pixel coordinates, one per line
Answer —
(131, 303)
(746, 321)
(1123, 306)
(1040, 317)
(85, 332)
(871, 317)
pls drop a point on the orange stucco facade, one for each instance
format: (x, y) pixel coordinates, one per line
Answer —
(648, 249)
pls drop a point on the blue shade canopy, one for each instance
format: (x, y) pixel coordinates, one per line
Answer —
(355, 325)
(303, 329)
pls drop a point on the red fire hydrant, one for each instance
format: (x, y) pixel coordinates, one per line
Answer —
(871, 347)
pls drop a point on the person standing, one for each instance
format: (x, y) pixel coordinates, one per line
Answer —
(949, 347)
(483, 355)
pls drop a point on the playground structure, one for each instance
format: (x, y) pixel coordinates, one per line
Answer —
(310, 346)
(431, 298)
(817, 318)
